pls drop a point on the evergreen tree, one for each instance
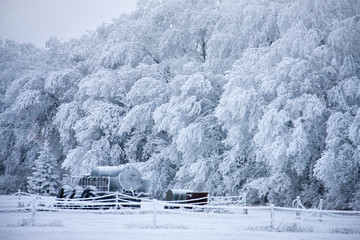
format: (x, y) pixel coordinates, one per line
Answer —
(45, 178)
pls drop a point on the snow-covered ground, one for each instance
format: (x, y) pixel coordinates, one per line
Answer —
(171, 224)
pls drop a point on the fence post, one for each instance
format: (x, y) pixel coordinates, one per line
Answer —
(108, 186)
(272, 216)
(33, 210)
(321, 208)
(19, 199)
(117, 200)
(154, 212)
(245, 211)
(298, 206)
(321, 204)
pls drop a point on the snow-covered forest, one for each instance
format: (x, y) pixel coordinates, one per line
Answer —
(224, 96)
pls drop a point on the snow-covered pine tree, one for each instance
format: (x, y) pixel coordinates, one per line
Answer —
(45, 178)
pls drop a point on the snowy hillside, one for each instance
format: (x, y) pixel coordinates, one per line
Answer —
(224, 96)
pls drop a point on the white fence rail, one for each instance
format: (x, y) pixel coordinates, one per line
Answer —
(119, 203)
(228, 200)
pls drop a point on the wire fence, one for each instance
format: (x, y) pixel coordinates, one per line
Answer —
(120, 204)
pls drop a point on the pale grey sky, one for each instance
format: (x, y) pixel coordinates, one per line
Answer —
(36, 21)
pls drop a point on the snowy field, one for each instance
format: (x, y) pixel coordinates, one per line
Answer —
(230, 223)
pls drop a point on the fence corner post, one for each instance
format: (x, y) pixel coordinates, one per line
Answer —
(272, 216)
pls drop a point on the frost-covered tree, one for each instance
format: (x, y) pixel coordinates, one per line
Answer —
(275, 103)
(45, 178)
(225, 96)
(25, 124)
(188, 118)
(96, 142)
(339, 165)
(143, 98)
